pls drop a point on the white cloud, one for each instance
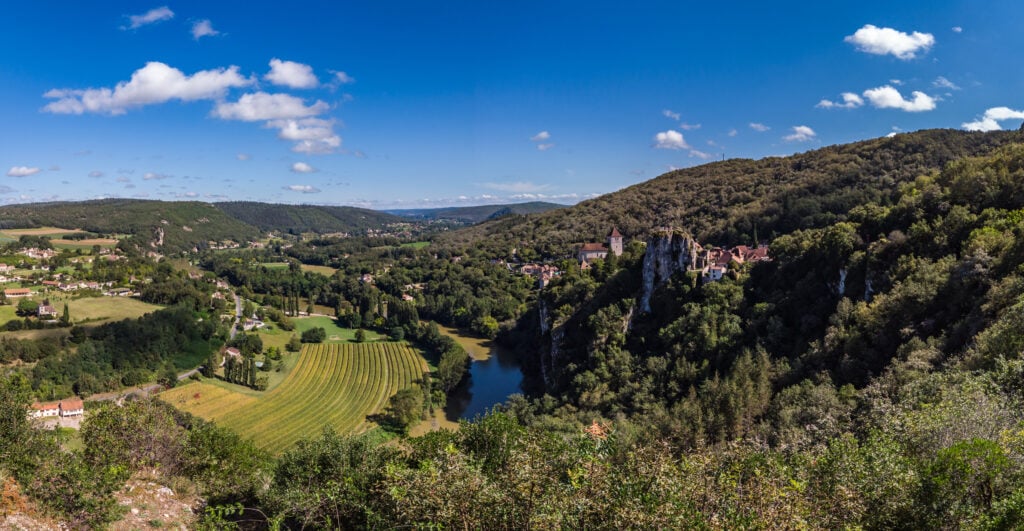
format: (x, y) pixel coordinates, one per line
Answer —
(689, 127)
(154, 83)
(303, 188)
(887, 97)
(95, 173)
(896, 82)
(203, 28)
(152, 16)
(260, 106)
(302, 167)
(342, 78)
(733, 132)
(850, 101)
(541, 136)
(670, 139)
(760, 128)
(700, 154)
(291, 74)
(957, 29)
(22, 171)
(667, 113)
(882, 41)
(243, 156)
(989, 121)
(150, 176)
(311, 135)
(544, 147)
(517, 187)
(801, 133)
(942, 82)
(123, 180)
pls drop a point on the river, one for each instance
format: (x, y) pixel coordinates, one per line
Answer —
(493, 375)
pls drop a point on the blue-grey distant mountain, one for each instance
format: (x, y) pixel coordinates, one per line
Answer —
(475, 214)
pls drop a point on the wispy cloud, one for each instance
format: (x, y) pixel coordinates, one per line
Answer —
(942, 82)
(151, 176)
(203, 28)
(303, 188)
(96, 174)
(302, 167)
(668, 113)
(158, 14)
(541, 136)
(888, 41)
(342, 78)
(801, 133)
(516, 187)
(850, 101)
(759, 127)
(22, 171)
(243, 156)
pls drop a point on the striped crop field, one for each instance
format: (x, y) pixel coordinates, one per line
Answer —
(332, 384)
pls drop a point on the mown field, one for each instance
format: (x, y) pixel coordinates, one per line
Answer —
(338, 385)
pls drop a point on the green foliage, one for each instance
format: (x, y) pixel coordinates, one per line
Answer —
(317, 335)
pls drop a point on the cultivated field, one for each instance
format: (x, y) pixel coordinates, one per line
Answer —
(323, 270)
(40, 231)
(333, 384)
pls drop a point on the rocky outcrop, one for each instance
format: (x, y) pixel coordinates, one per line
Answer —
(668, 253)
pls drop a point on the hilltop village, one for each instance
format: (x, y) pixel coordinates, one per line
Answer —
(711, 262)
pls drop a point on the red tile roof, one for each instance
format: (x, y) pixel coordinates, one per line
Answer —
(593, 247)
(71, 404)
(614, 233)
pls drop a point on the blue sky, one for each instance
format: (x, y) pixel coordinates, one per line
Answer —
(415, 104)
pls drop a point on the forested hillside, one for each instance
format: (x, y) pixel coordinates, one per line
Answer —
(180, 225)
(297, 219)
(730, 202)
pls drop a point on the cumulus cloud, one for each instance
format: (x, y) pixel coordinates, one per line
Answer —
(801, 133)
(881, 41)
(541, 136)
(303, 188)
(157, 14)
(990, 120)
(302, 167)
(887, 97)
(942, 82)
(850, 101)
(261, 106)
(667, 113)
(670, 139)
(203, 28)
(22, 171)
(154, 83)
(95, 173)
(291, 74)
(311, 135)
(760, 128)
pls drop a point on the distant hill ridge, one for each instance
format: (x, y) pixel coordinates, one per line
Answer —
(476, 214)
(306, 218)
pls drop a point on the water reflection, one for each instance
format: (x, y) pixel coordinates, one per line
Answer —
(493, 375)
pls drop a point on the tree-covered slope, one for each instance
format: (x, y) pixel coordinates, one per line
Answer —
(180, 224)
(732, 200)
(306, 218)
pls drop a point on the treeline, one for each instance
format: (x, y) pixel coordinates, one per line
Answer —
(124, 353)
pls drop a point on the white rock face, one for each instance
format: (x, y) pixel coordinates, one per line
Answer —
(667, 254)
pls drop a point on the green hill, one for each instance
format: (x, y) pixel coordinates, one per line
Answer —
(181, 224)
(476, 214)
(732, 200)
(306, 218)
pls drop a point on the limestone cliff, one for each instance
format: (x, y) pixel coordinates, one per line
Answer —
(668, 253)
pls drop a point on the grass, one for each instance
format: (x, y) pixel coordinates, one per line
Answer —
(478, 348)
(323, 270)
(416, 245)
(83, 244)
(335, 333)
(275, 265)
(91, 311)
(41, 231)
(337, 385)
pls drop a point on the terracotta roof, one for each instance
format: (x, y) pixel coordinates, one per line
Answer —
(40, 406)
(17, 291)
(614, 233)
(593, 247)
(72, 403)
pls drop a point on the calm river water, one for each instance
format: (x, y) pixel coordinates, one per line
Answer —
(493, 375)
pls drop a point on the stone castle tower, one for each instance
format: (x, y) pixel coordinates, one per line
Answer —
(615, 242)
